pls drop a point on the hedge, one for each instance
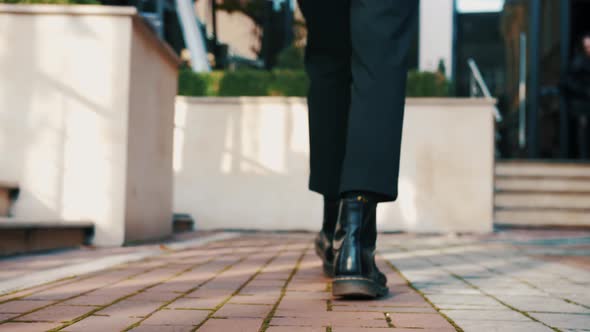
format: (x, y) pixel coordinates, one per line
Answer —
(54, 2)
(286, 83)
(427, 84)
(243, 83)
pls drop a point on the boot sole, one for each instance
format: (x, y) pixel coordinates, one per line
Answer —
(357, 287)
(327, 266)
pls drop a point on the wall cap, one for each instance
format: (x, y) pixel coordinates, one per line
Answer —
(35, 9)
(95, 10)
(295, 100)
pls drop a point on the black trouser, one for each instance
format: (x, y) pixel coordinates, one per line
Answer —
(356, 62)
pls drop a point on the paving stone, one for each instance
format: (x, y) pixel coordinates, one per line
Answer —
(22, 306)
(4, 317)
(369, 308)
(197, 303)
(303, 305)
(304, 286)
(177, 317)
(354, 329)
(324, 318)
(175, 286)
(101, 324)
(243, 311)
(307, 296)
(413, 320)
(297, 329)
(62, 292)
(130, 308)
(499, 326)
(485, 315)
(162, 328)
(318, 322)
(542, 304)
(255, 299)
(234, 325)
(151, 296)
(446, 301)
(27, 327)
(89, 300)
(565, 321)
(56, 313)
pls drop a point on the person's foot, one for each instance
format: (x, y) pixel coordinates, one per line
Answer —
(323, 241)
(355, 273)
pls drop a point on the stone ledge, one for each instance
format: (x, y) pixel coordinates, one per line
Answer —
(27, 237)
(434, 101)
(17, 223)
(95, 10)
(36, 9)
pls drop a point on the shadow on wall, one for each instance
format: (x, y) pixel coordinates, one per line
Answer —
(55, 110)
(242, 163)
(22, 130)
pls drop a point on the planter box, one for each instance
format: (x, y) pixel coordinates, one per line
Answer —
(243, 163)
(86, 118)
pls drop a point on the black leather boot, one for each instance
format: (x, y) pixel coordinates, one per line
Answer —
(323, 241)
(355, 273)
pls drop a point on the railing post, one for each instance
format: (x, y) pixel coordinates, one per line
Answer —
(534, 82)
(565, 57)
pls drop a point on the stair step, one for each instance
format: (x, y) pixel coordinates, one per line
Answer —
(507, 184)
(19, 236)
(543, 200)
(534, 217)
(542, 169)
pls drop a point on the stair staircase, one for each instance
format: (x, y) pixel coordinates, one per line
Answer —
(542, 194)
(18, 235)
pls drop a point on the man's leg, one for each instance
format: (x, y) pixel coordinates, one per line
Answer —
(327, 63)
(381, 33)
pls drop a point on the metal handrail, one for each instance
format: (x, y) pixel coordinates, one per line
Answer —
(476, 74)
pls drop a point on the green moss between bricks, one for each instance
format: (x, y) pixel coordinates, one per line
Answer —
(286, 82)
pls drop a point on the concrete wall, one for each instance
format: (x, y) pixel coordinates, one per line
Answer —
(71, 91)
(150, 138)
(243, 163)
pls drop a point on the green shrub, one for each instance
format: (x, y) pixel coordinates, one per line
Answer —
(289, 83)
(291, 58)
(427, 84)
(263, 83)
(245, 82)
(283, 82)
(199, 84)
(191, 84)
(54, 2)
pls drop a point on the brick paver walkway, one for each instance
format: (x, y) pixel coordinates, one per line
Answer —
(513, 281)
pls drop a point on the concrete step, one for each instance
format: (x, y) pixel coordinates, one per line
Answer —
(532, 169)
(537, 200)
(19, 236)
(528, 184)
(542, 193)
(545, 218)
(8, 194)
